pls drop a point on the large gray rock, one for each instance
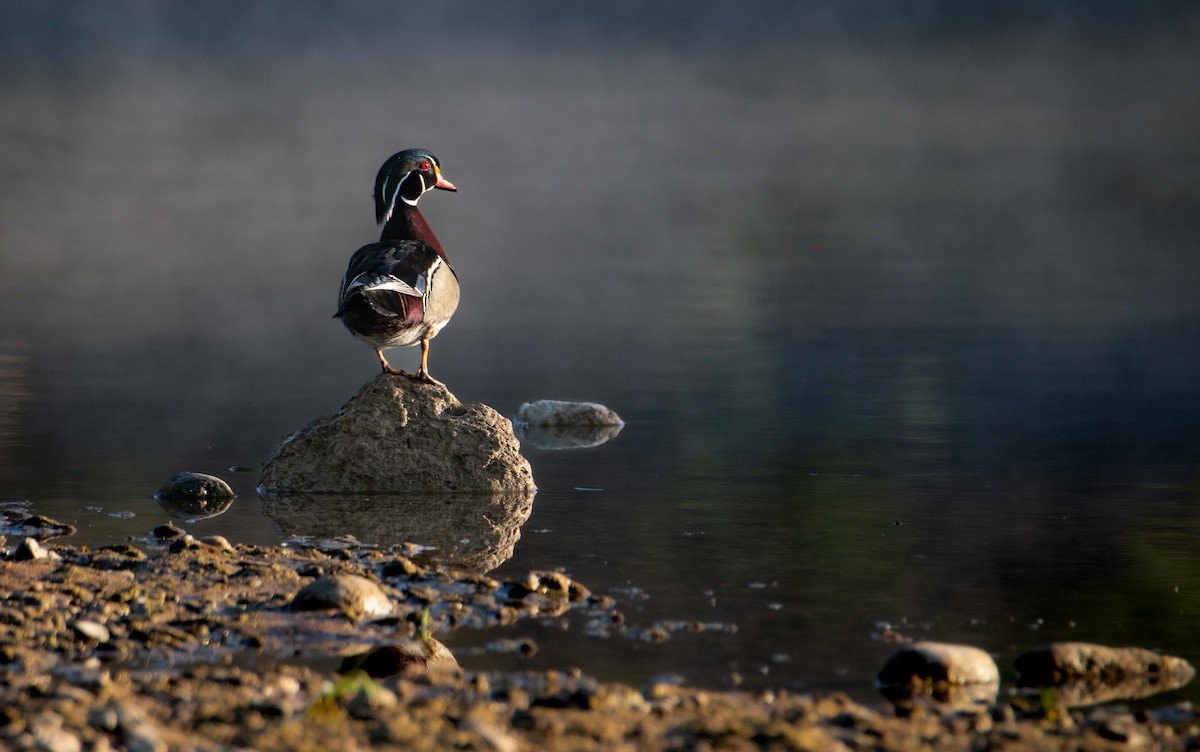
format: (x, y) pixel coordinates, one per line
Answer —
(396, 436)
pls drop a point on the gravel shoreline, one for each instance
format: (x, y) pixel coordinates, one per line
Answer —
(196, 648)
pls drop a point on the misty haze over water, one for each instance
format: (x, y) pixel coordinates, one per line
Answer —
(899, 303)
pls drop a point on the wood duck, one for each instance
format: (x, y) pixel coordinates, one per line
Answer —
(401, 290)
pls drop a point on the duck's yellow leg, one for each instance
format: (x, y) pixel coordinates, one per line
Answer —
(423, 373)
(387, 367)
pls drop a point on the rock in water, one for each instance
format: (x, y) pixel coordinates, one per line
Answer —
(940, 661)
(194, 496)
(1061, 661)
(193, 486)
(553, 413)
(398, 435)
(1085, 674)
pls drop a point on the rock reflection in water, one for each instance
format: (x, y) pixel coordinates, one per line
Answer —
(473, 532)
(1082, 674)
(193, 509)
(565, 437)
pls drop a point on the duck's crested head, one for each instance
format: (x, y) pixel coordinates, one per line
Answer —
(405, 176)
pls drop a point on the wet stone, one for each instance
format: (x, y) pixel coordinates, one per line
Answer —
(939, 661)
(219, 542)
(551, 413)
(554, 424)
(189, 485)
(194, 496)
(1085, 674)
(1062, 661)
(30, 550)
(169, 531)
(410, 656)
(184, 543)
(124, 550)
(355, 597)
(401, 566)
(16, 522)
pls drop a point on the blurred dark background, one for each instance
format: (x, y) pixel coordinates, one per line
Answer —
(899, 300)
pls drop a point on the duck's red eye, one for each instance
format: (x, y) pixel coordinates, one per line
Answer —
(425, 166)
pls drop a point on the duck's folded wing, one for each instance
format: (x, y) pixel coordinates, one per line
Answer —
(392, 277)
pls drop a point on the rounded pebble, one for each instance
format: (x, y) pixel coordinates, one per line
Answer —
(356, 597)
(560, 413)
(169, 531)
(91, 630)
(940, 661)
(194, 486)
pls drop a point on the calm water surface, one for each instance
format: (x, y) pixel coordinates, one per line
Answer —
(904, 335)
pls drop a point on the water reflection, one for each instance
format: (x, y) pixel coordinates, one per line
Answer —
(194, 509)
(907, 697)
(473, 532)
(565, 437)
(1079, 693)
(946, 285)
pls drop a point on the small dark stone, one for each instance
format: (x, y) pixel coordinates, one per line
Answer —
(184, 543)
(126, 550)
(194, 496)
(401, 566)
(194, 486)
(168, 531)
